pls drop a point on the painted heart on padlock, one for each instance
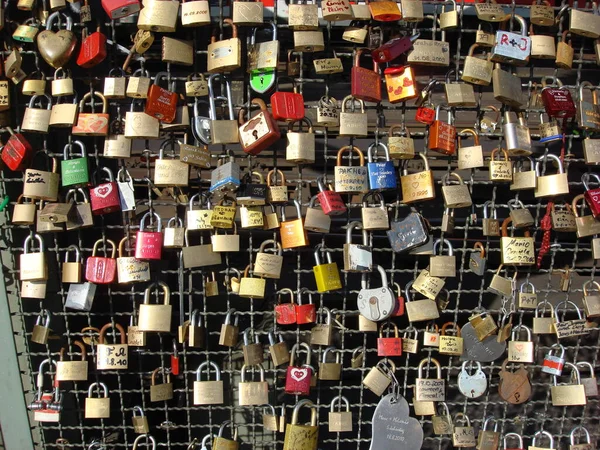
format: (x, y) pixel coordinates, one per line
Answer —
(103, 191)
(56, 47)
(299, 374)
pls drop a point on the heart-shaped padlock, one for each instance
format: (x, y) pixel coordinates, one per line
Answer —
(472, 385)
(57, 47)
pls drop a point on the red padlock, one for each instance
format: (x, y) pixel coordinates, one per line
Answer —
(442, 135)
(399, 309)
(161, 103)
(115, 9)
(105, 197)
(92, 124)
(389, 346)
(285, 313)
(260, 132)
(93, 49)
(592, 196)
(175, 366)
(305, 313)
(101, 269)
(287, 106)
(558, 102)
(17, 152)
(297, 378)
(331, 201)
(366, 84)
(425, 114)
(148, 244)
(393, 48)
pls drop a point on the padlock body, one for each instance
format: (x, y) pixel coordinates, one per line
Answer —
(161, 104)
(105, 198)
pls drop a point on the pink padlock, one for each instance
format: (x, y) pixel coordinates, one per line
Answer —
(297, 378)
(148, 244)
(105, 196)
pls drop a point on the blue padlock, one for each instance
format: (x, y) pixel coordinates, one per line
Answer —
(382, 175)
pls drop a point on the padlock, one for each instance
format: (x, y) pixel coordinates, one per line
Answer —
(285, 313)
(302, 436)
(380, 376)
(357, 257)
(138, 84)
(209, 392)
(558, 102)
(455, 196)
(92, 124)
(521, 351)
(115, 86)
(288, 106)
(139, 421)
(327, 275)
(470, 157)
(588, 116)
(104, 197)
(374, 218)
(199, 255)
(292, 231)
(442, 266)
(418, 186)
(82, 216)
(198, 219)
(586, 225)
(278, 350)
(303, 16)
(116, 9)
(591, 196)
(564, 51)
(591, 383)
(161, 103)
(93, 48)
(97, 407)
(262, 57)
(442, 135)
(57, 56)
(222, 443)
(149, 440)
(333, 11)
(460, 94)
(524, 179)
(400, 147)
(46, 406)
(62, 84)
(251, 287)
(72, 370)
(517, 251)
(451, 345)
(389, 346)
(300, 146)
(491, 225)
(588, 445)
(23, 213)
(316, 220)
(37, 120)
(350, 179)
(442, 423)
(500, 170)
(253, 351)
(34, 84)
(520, 445)
(488, 439)
(159, 16)
(505, 52)
(222, 243)
(170, 172)
(267, 265)
(449, 19)
(129, 268)
(463, 436)
(330, 371)
(507, 88)
(353, 123)
(26, 31)
(75, 172)
(32, 265)
(276, 193)
(409, 233)
(521, 216)
(297, 380)
(139, 125)
(225, 55)
(41, 329)
(382, 176)
(225, 177)
(569, 328)
(477, 261)
(156, 317)
(365, 83)
(253, 393)
(229, 331)
(340, 421)
(222, 131)
(195, 13)
(551, 185)
(17, 153)
(584, 23)
(485, 38)
(384, 10)
(306, 42)
(64, 115)
(376, 303)
(211, 287)
(428, 286)
(174, 234)
(472, 385)
(517, 135)
(430, 389)
(542, 46)
(528, 296)
(393, 48)
(148, 244)
(553, 364)
(194, 155)
(112, 356)
(71, 271)
(327, 112)
(259, 132)
(429, 52)
(161, 391)
(196, 85)
(591, 302)
(13, 62)
(570, 394)
(305, 312)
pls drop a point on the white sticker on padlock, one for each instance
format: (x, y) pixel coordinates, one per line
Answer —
(127, 195)
(361, 259)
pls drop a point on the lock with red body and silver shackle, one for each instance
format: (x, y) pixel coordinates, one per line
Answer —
(161, 103)
(554, 364)
(285, 313)
(307, 312)
(297, 380)
(93, 48)
(156, 317)
(148, 244)
(591, 196)
(558, 102)
(17, 152)
(442, 135)
(104, 198)
(287, 106)
(101, 269)
(331, 201)
(116, 9)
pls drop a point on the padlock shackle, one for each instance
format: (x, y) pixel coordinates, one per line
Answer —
(433, 361)
(585, 179)
(339, 399)
(512, 435)
(373, 194)
(505, 224)
(195, 318)
(118, 326)
(89, 95)
(392, 129)
(540, 434)
(351, 149)
(44, 314)
(98, 385)
(516, 331)
(212, 97)
(454, 326)
(248, 366)
(463, 418)
(566, 303)
(485, 210)
(385, 326)
(372, 157)
(541, 159)
(308, 404)
(146, 436)
(79, 344)
(108, 241)
(296, 349)
(470, 131)
(578, 429)
(158, 284)
(438, 242)
(207, 365)
(29, 240)
(355, 224)
(574, 370)
(137, 409)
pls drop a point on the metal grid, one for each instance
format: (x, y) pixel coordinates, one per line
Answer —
(116, 303)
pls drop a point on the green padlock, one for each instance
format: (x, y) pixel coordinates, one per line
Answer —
(262, 61)
(75, 172)
(262, 80)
